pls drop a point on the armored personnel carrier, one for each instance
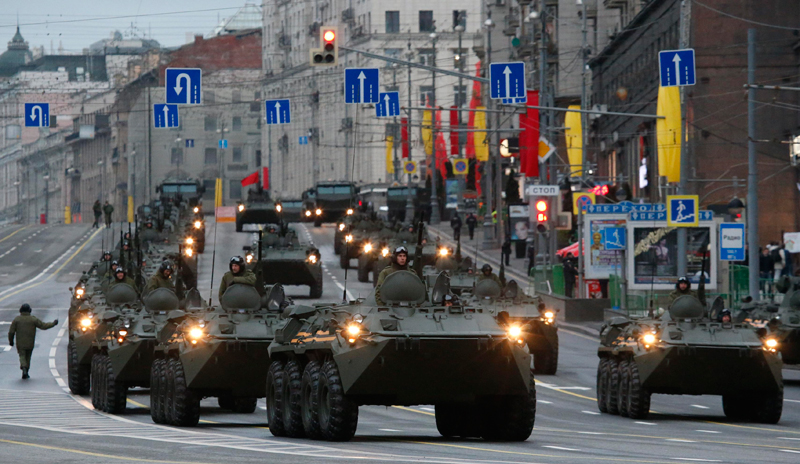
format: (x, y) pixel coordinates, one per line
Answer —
(779, 323)
(344, 227)
(362, 232)
(258, 209)
(374, 247)
(291, 210)
(684, 352)
(286, 260)
(407, 350)
(221, 354)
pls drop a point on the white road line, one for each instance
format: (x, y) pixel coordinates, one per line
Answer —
(646, 423)
(699, 406)
(591, 433)
(696, 459)
(707, 431)
(559, 448)
(790, 451)
(429, 409)
(389, 430)
(591, 412)
(680, 440)
(54, 352)
(787, 438)
(544, 402)
(791, 401)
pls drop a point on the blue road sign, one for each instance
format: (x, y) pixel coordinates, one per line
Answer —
(361, 85)
(731, 241)
(303, 140)
(507, 82)
(683, 210)
(165, 115)
(223, 143)
(189, 143)
(183, 86)
(614, 238)
(278, 112)
(37, 114)
(388, 105)
(676, 67)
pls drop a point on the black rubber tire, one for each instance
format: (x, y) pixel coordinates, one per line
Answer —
(737, 407)
(226, 402)
(613, 386)
(337, 246)
(309, 389)
(602, 385)
(95, 381)
(768, 407)
(344, 259)
(156, 400)
(638, 396)
(185, 404)
(292, 399)
(513, 418)
(338, 416)
(622, 391)
(275, 399)
(546, 361)
(317, 223)
(242, 405)
(363, 270)
(315, 289)
(164, 391)
(449, 419)
(116, 392)
(79, 376)
(238, 226)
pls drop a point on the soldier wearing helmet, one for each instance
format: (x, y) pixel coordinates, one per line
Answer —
(399, 263)
(162, 278)
(113, 268)
(238, 274)
(487, 274)
(684, 287)
(121, 277)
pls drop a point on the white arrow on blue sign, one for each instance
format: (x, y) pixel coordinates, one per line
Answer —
(731, 241)
(37, 114)
(614, 238)
(165, 115)
(278, 112)
(388, 105)
(223, 143)
(189, 143)
(183, 85)
(507, 82)
(676, 67)
(302, 140)
(361, 85)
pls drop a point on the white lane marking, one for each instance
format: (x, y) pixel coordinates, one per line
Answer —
(680, 440)
(429, 409)
(791, 401)
(707, 431)
(591, 412)
(787, 438)
(790, 451)
(9, 251)
(573, 388)
(699, 406)
(559, 448)
(591, 433)
(544, 402)
(5, 322)
(54, 352)
(696, 459)
(646, 423)
(389, 430)
(5, 347)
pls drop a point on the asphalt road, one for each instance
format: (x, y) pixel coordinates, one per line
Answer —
(41, 422)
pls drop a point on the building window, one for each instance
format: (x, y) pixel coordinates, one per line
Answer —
(460, 95)
(237, 154)
(211, 156)
(209, 185)
(235, 191)
(210, 123)
(392, 22)
(255, 107)
(425, 95)
(393, 52)
(426, 56)
(460, 18)
(426, 21)
(237, 124)
(236, 96)
(258, 158)
(177, 155)
(209, 97)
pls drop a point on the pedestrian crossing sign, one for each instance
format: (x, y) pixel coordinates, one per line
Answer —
(683, 210)
(409, 167)
(460, 166)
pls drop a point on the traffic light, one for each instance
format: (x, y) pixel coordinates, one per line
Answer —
(328, 53)
(541, 215)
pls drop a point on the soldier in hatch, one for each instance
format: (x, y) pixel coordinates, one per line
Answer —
(162, 278)
(684, 287)
(238, 274)
(487, 274)
(399, 263)
(121, 277)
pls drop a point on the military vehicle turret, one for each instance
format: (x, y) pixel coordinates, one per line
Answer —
(329, 360)
(684, 352)
(778, 322)
(288, 260)
(258, 209)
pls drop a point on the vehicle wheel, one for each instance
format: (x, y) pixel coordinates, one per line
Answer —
(315, 289)
(514, 417)
(238, 226)
(337, 246)
(338, 416)
(116, 393)
(344, 259)
(622, 391)
(638, 396)
(95, 381)
(546, 362)
(156, 406)
(613, 386)
(363, 271)
(242, 405)
(768, 407)
(78, 376)
(317, 223)
(185, 404)
(201, 247)
(167, 392)
(602, 385)
(275, 399)
(226, 402)
(292, 399)
(449, 419)
(309, 390)
(737, 407)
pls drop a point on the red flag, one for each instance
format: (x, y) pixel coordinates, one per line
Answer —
(529, 137)
(474, 102)
(453, 134)
(250, 180)
(440, 146)
(265, 179)
(404, 136)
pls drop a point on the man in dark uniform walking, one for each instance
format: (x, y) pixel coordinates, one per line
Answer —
(24, 329)
(108, 209)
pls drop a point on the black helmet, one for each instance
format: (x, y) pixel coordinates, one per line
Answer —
(448, 298)
(486, 267)
(25, 308)
(166, 265)
(400, 249)
(126, 243)
(120, 270)
(723, 313)
(106, 253)
(114, 263)
(684, 280)
(236, 260)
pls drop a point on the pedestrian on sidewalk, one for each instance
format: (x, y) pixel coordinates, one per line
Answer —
(472, 221)
(24, 328)
(455, 223)
(506, 249)
(108, 210)
(531, 258)
(570, 274)
(97, 208)
(766, 268)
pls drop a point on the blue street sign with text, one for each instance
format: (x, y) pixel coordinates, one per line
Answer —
(731, 241)
(625, 207)
(183, 86)
(705, 216)
(278, 112)
(507, 82)
(676, 67)
(37, 114)
(303, 140)
(361, 85)
(165, 115)
(388, 105)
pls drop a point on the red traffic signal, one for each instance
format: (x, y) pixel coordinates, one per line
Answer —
(328, 53)
(541, 215)
(328, 36)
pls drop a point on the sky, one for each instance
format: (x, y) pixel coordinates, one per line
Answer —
(76, 24)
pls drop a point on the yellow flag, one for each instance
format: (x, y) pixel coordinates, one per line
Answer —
(218, 193)
(130, 208)
(574, 139)
(389, 157)
(479, 138)
(427, 131)
(668, 133)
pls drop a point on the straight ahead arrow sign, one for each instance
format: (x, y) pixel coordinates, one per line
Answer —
(507, 73)
(278, 112)
(361, 78)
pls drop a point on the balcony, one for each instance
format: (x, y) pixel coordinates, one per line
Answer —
(285, 41)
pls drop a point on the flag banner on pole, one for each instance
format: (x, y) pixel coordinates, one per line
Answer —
(474, 103)
(529, 137)
(454, 135)
(574, 138)
(265, 179)
(250, 180)
(480, 138)
(668, 133)
(404, 136)
(427, 131)
(389, 157)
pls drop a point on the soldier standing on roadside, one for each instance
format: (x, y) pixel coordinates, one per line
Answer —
(108, 209)
(24, 328)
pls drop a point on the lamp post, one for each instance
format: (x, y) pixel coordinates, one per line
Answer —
(488, 226)
(462, 181)
(435, 217)
(221, 131)
(178, 156)
(409, 199)
(46, 178)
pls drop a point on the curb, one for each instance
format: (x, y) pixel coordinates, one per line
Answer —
(580, 329)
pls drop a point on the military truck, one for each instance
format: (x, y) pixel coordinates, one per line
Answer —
(222, 354)
(778, 322)
(309, 205)
(404, 350)
(291, 210)
(684, 352)
(258, 209)
(287, 260)
(185, 189)
(332, 199)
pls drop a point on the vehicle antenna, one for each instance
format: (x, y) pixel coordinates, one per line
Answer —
(213, 259)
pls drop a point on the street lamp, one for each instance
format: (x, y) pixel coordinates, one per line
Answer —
(435, 216)
(46, 178)
(462, 181)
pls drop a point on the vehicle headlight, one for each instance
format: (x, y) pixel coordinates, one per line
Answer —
(196, 209)
(241, 208)
(549, 314)
(198, 224)
(312, 258)
(79, 292)
(86, 322)
(308, 213)
(341, 227)
(443, 251)
(385, 252)
(348, 238)
(349, 211)
(123, 333)
(188, 252)
(189, 241)
(195, 333)
(353, 331)
(248, 258)
(318, 211)
(514, 331)
(771, 344)
(367, 248)
(649, 339)
(279, 208)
